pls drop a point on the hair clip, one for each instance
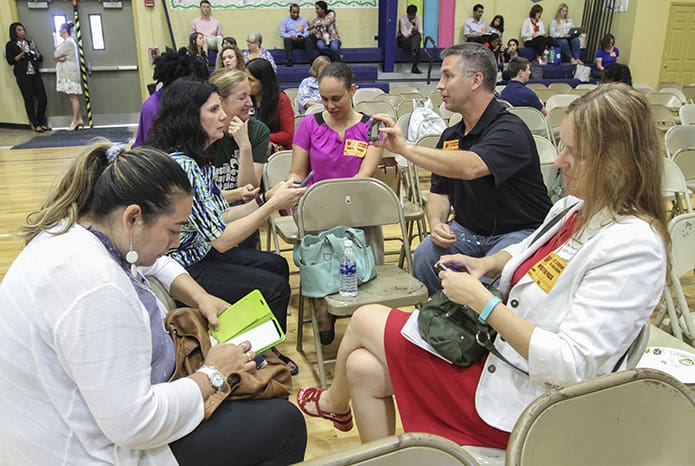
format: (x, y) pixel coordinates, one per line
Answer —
(113, 151)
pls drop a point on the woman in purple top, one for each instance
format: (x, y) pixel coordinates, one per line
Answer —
(168, 67)
(334, 144)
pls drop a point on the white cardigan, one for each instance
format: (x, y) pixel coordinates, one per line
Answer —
(527, 30)
(75, 351)
(613, 281)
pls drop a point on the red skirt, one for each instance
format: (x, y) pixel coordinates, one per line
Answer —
(434, 396)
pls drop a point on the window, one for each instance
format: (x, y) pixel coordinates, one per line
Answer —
(97, 32)
(58, 20)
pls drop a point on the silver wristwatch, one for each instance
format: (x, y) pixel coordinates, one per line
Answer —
(215, 377)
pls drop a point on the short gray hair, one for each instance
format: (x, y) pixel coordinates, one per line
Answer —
(475, 58)
(255, 37)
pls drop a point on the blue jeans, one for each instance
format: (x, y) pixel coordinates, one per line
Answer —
(233, 274)
(427, 253)
(332, 49)
(569, 47)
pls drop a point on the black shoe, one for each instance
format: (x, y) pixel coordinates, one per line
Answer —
(415, 70)
(326, 337)
(291, 365)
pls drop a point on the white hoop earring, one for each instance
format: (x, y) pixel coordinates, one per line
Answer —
(132, 257)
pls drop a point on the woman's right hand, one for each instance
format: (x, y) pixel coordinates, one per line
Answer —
(462, 263)
(284, 195)
(229, 358)
(239, 130)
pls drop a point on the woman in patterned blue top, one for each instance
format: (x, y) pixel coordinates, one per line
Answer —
(190, 119)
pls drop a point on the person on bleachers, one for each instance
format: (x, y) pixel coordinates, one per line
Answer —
(607, 52)
(560, 29)
(512, 50)
(295, 34)
(490, 156)
(209, 27)
(494, 43)
(608, 243)
(308, 93)
(617, 72)
(229, 41)
(168, 67)
(231, 58)
(475, 28)
(189, 121)
(255, 50)
(516, 92)
(196, 50)
(335, 144)
(410, 36)
(497, 26)
(533, 32)
(325, 32)
(270, 104)
(85, 359)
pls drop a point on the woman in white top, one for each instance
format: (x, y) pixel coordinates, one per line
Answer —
(84, 357)
(68, 73)
(533, 32)
(560, 32)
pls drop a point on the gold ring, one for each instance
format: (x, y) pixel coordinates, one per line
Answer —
(248, 357)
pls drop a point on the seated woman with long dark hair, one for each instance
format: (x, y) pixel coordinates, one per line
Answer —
(190, 119)
(271, 105)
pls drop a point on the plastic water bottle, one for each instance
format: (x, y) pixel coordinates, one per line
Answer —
(348, 272)
(546, 56)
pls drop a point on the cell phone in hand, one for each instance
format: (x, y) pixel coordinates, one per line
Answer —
(441, 267)
(373, 129)
(305, 180)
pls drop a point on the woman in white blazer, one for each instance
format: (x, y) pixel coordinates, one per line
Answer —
(577, 292)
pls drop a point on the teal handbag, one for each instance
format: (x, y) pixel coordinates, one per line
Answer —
(318, 258)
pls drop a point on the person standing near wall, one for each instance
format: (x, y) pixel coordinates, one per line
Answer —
(25, 57)
(68, 73)
(410, 35)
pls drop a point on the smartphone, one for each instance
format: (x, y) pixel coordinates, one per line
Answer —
(305, 180)
(373, 129)
(441, 267)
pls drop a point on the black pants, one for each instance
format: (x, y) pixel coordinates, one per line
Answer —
(34, 95)
(233, 274)
(306, 43)
(411, 45)
(538, 44)
(244, 433)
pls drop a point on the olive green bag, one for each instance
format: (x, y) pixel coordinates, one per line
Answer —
(454, 330)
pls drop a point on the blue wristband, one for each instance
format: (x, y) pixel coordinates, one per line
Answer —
(487, 310)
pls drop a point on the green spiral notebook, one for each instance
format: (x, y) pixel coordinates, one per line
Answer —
(250, 319)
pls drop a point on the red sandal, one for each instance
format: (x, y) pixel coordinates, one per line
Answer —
(305, 395)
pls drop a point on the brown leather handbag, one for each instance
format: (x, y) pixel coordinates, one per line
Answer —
(189, 330)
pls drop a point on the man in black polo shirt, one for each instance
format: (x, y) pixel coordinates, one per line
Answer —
(486, 167)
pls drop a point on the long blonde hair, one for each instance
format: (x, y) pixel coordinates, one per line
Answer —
(225, 81)
(559, 9)
(618, 148)
(104, 178)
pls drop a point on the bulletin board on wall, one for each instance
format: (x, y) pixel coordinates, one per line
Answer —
(249, 4)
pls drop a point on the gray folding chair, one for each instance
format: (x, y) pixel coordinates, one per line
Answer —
(678, 138)
(276, 169)
(371, 107)
(357, 202)
(635, 417)
(534, 119)
(366, 93)
(547, 153)
(675, 188)
(662, 116)
(410, 449)
(682, 232)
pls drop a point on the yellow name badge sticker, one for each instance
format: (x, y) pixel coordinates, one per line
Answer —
(451, 145)
(354, 148)
(546, 272)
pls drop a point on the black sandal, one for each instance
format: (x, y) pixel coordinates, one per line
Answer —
(327, 336)
(291, 365)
